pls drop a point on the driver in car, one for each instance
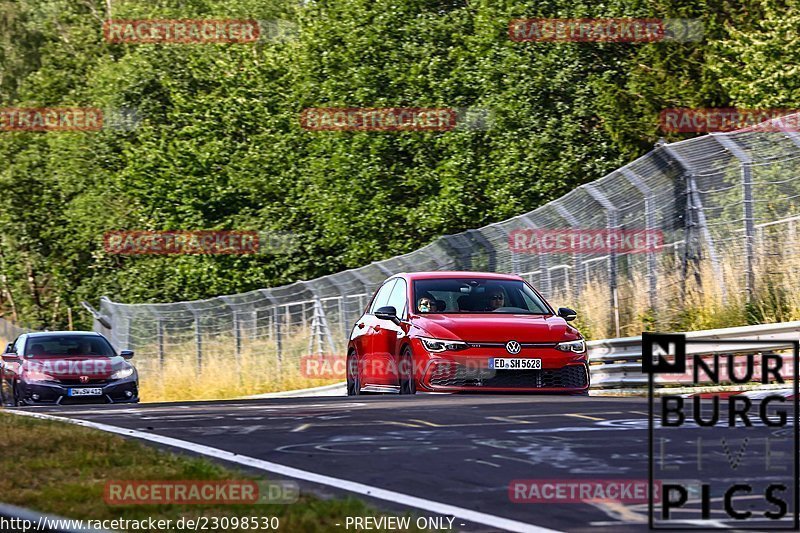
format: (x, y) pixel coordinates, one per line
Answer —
(495, 298)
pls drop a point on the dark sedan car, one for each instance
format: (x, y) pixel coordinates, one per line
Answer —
(66, 367)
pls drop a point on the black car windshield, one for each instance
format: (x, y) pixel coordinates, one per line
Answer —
(42, 346)
(475, 295)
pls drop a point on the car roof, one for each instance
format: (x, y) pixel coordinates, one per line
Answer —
(411, 276)
(44, 333)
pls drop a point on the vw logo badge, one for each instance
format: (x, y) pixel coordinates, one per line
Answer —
(513, 347)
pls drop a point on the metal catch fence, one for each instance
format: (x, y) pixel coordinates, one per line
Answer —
(8, 332)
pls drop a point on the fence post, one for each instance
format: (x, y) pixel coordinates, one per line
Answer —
(544, 268)
(274, 325)
(384, 270)
(694, 208)
(440, 265)
(749, 219)
(650, 226)
(366, 287)
(129, 334)
(516, 267)
(278, 338)
(342, 317)
(198, 339)
(545, 287)
(611, 224)
(236, 327)
(476, 237)
(160, 337)
(123, 330)
(749, 230)
(516, 259)
(576, 257)
(237, 334)
(462, 255)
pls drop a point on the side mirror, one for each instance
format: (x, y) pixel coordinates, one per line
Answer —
(387, 313)
(126, 354)
(9, 357)
(567, 314)
(9, 347)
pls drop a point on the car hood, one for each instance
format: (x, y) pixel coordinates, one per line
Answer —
(73, 367)
(497, 328)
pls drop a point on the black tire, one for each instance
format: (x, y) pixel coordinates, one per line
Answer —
(15, 395)
(353, 375)
(408, 383)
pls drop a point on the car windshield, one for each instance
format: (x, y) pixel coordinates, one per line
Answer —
(68, 345)
(466, 295)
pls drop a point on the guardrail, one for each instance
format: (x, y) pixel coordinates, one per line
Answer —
(617, 363)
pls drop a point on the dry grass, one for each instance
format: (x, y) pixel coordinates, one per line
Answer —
(222, 374)
(696, 304)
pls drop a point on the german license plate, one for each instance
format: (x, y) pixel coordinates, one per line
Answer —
(513, 363)
(85, 392)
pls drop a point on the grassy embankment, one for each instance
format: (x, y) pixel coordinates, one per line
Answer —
(62, 469)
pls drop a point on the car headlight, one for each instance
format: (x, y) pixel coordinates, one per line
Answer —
(122, 373)
(38, 376)
(441, 345)
(578, 346)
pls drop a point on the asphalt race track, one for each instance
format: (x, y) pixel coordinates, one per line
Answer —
(461, 450)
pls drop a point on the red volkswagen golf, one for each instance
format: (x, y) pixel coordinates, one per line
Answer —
(464, 331)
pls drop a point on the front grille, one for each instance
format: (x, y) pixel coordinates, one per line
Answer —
(79, 382)
(456, 375)
(503, 344)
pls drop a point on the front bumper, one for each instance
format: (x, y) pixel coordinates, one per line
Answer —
(468, 370)
(53, 393)
(453, 377)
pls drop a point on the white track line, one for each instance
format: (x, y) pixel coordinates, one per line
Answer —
(351, 486)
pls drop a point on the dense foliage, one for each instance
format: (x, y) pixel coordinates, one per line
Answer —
(219, 143)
